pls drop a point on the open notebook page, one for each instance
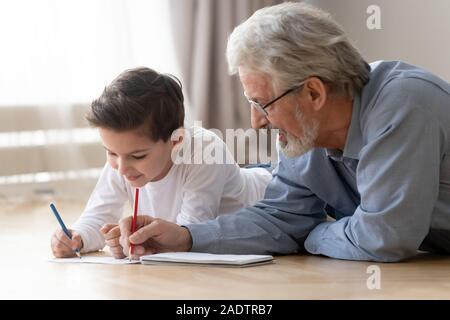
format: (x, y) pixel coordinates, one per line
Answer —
(93, 259)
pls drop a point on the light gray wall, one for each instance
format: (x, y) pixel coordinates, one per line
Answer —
(415, 31)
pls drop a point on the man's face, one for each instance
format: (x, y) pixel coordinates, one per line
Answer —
(297, 131)
(136, 157)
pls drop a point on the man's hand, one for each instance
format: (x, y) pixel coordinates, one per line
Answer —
(153, 235)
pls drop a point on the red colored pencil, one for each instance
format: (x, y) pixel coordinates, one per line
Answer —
(133, 222)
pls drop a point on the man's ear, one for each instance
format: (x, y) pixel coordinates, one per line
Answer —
(316, 92)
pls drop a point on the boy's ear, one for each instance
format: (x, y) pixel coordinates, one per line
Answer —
(177, 137)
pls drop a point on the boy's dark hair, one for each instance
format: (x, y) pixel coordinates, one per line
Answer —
(140, 98)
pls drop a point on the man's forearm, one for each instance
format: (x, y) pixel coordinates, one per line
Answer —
(252, 231)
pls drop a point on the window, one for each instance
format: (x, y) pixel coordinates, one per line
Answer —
(56, 57)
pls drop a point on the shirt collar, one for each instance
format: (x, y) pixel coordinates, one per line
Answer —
(353, 143)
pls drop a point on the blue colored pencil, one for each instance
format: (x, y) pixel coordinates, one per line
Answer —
(63, 226)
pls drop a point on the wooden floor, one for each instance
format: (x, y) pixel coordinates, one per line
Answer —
(26, 274)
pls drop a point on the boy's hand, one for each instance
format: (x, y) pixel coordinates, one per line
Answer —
(62, 246)
(111, 233)
(153, 235)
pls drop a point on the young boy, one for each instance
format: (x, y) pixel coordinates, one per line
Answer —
(136, 116)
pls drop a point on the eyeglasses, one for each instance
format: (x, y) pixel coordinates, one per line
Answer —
(262, 109)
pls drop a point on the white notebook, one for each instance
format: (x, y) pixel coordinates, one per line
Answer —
(189, 258)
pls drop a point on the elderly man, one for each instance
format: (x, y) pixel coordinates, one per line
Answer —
(369, 146)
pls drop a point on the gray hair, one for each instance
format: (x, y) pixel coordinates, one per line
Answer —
(293, 41)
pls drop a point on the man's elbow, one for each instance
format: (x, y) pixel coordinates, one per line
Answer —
(395, 253)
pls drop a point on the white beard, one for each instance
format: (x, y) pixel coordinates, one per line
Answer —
(297, 147)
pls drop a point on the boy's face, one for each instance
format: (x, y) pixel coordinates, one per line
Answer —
(136, 157)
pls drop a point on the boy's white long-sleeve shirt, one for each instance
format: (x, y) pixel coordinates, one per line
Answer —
(189, 193)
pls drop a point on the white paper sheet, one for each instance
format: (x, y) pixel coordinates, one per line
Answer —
(98, 260)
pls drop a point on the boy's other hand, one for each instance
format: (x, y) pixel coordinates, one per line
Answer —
(111, 233)
(153, 235)
(62, 246)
